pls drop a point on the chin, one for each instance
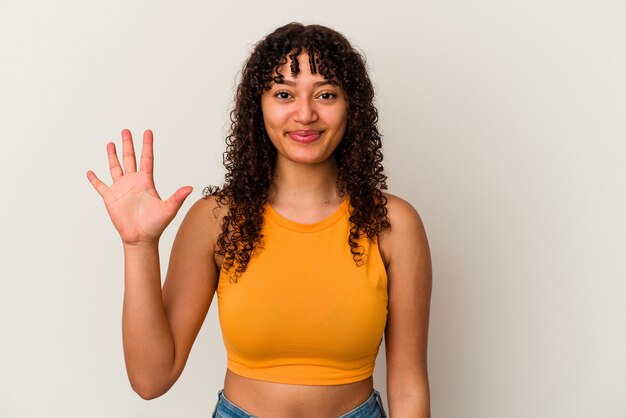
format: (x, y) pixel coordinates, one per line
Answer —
(308, 159)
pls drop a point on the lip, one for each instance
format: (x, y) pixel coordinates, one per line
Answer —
(305, 137)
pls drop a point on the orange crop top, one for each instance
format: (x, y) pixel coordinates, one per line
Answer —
(303, 312)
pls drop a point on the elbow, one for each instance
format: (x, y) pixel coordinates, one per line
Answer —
(152, 380)
(147, 395)
(148, 390)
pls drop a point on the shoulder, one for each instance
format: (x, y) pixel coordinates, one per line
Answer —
(208, 208)
(203, 221)
(407, 233)
(399, 210)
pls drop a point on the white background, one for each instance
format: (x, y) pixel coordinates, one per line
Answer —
(504, 125)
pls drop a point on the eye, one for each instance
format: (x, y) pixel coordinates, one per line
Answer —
(282, 95)
(327, 96)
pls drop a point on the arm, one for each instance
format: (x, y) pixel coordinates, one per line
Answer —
(158, 327)
(406, 253)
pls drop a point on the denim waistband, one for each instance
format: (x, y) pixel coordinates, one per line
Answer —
(371, 408)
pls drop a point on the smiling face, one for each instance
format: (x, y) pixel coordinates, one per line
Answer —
(305, 116)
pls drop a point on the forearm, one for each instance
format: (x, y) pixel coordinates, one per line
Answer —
(409, 398)
(148, 343)
(413, 407)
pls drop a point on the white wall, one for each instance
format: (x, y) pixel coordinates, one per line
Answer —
(504, 125)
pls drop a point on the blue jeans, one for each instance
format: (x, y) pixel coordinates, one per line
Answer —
(371, 408)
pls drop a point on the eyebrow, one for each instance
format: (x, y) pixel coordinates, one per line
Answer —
(293, 84)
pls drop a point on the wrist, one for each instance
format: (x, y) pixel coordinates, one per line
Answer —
(140, 245)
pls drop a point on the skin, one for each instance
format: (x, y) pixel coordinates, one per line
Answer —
(160, 325)
(305, 173)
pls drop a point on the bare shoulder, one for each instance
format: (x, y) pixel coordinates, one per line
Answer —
(210, 207)
(192, 259)
(407, 232)
(202, 223)
(401, 211)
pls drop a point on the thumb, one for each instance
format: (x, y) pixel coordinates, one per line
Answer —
(176, 200)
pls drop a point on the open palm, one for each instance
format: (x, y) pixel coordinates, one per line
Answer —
(136, 209)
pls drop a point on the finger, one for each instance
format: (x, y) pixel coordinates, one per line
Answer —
(96, 183)
(147, 156)
(128, 152)
(114, 163)
(176, 200)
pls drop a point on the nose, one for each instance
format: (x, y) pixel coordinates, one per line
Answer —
(305, 112)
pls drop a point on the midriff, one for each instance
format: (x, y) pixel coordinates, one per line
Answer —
(280, 400)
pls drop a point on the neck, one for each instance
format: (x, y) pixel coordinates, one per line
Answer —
(304, 184)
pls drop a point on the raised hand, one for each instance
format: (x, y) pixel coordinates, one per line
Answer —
(136, 209)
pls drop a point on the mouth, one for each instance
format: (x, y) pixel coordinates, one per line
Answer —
(304, 137)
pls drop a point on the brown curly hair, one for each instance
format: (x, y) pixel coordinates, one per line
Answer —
(250, 156)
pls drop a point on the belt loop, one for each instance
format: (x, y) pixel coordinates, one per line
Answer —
(379, 400)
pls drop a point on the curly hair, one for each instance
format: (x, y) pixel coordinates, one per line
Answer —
(250, 156)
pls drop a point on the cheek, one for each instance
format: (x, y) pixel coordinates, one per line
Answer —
(341, 121)
(341, 116)
(274, 118)
(267, 112)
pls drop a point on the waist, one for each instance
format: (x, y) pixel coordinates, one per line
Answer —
(289, 400)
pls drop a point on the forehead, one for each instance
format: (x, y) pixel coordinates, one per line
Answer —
(299, 64)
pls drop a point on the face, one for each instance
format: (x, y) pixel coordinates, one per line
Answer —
(306, 116)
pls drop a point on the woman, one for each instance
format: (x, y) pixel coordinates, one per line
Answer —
(310, 260)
